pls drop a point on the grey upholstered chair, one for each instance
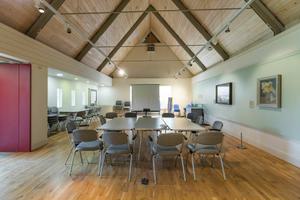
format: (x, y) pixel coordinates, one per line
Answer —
(116, 143)
(167, 145)
(209, 143)
(217, 126)
(86, 140)
(102, 120)
(71, 126)
(111, 115)
(168, 115)
(130, 115)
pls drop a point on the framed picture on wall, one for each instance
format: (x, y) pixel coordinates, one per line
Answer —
(92, 97)
(224, 94)
(269, 92)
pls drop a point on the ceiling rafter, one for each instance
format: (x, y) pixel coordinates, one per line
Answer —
(267, 16)
(102, 29)
(177, 38)
(43, 19)
(123, 40)
(202, 30)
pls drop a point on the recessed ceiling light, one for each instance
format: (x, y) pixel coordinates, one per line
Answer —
(59, 75)
(76, 79)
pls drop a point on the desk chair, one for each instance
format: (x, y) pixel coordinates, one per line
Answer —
(86, 140)
(130, 115)
(111, 115)
(71, 126)
(209, 143)
(217, 126)
(116, 143)
(176, 109)
(167, 145)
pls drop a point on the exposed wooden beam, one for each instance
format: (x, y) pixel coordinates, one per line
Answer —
(111, 18)
(177, 38)
(267, 16)
(124, 38)
(200, 28)
(43, 19)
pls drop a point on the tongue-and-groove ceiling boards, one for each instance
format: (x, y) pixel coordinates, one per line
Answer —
(182, 26)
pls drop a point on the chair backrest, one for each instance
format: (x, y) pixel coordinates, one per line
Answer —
(54, 110)
(71, 126)
(217, 125)
(102, 120)
(168, 115)
(127, 103)
(130, 115)
(84, 135)
(210, 138)
(81, 114)
(176, 107)
(200, 120)
(172, 139)
(119, 103)
(114, 138)
(111, 115)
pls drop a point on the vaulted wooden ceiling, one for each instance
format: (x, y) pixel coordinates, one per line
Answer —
(114, 34)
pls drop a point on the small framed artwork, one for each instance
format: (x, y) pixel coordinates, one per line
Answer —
(269, 92)
(224, 94)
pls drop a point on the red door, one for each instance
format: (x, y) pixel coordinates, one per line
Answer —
(15, 107)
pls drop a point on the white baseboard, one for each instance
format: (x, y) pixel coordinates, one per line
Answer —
(282, 148)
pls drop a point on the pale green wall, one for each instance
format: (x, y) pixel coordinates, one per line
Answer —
(284, 122)
(67, 86)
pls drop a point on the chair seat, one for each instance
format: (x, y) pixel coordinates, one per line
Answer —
(200, 148)
(119, 149)
(90, 146)
(164, 150)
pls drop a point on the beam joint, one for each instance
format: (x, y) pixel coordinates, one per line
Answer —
(202, 30)
(43, 19)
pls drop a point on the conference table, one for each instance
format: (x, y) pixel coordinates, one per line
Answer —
(157, 124)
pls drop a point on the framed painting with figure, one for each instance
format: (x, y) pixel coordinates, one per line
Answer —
(269, 92)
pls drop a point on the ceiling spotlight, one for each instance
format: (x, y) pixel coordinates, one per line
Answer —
(68, 28)
(190, 63)
(40, 6)
(121, 72)
(227, 29)
(209, 47)
(59, 75)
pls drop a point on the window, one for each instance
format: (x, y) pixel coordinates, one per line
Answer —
(73, 98)
(59, 97)
(83, 98)
(165, 91)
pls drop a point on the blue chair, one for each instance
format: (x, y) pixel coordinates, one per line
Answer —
(176, 108)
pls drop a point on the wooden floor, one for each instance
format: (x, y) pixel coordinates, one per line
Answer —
(251, 174)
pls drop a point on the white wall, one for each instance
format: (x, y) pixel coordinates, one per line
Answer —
(67, 86)
(273, 130)
(181, 89)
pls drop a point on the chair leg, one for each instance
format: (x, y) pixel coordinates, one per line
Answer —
(183, 169)
(193, 166)
(153, 166)
(130, 168)
(81, 160)
(99, 163)
(140, 146)
(222, 166)
(71, 150)
(74, 153)
(102, 164)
